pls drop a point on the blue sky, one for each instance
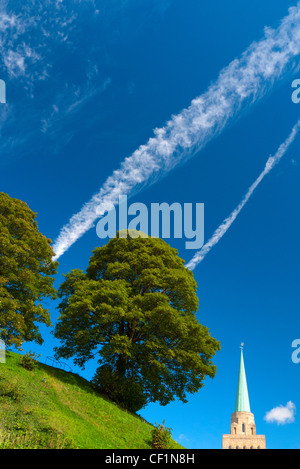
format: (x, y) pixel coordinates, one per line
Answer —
(87, 82)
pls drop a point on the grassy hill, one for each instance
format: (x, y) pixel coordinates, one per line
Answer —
(51, 408)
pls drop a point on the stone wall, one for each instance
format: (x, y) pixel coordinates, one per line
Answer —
(244, 442)
(243, 433)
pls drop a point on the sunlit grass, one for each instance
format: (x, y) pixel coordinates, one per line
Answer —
(50, 408)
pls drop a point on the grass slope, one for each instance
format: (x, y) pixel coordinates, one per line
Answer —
(50, 408)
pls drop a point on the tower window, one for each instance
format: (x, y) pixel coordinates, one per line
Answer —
(243, 427)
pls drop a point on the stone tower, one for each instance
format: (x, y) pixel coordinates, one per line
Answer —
(242, 428)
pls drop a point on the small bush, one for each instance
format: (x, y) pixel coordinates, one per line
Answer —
(161, 437)
(11, 389)
(29, 361)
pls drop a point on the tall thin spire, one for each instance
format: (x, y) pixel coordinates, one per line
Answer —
(242, 427)
(242, 403)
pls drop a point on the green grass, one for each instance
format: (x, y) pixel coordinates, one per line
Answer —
(50, 408)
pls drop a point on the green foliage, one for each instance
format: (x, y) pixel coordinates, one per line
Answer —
(29, 361)
(135, 309)
(126, 391)
(26, 273)
(161, 437)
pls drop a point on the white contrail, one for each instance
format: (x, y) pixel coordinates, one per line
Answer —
(242, 82)
(219, 233)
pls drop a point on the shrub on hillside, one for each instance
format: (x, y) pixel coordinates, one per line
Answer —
(29, 361)
(161, 437)
(11, 389)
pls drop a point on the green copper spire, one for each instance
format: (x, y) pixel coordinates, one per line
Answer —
(242, 399)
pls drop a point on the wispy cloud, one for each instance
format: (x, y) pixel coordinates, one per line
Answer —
(224, 227)
(11, 27)
(37, 42)
(241, 83)
(281, 414)
(183, 437)
(8, 21)
(68, 103)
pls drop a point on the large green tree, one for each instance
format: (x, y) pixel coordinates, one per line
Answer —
(135, 309)
(26, 273)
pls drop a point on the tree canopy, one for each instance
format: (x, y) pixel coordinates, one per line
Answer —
(135, 309)
(26, 273)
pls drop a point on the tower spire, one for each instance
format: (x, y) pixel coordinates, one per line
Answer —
(242, 427)
(242, 403)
